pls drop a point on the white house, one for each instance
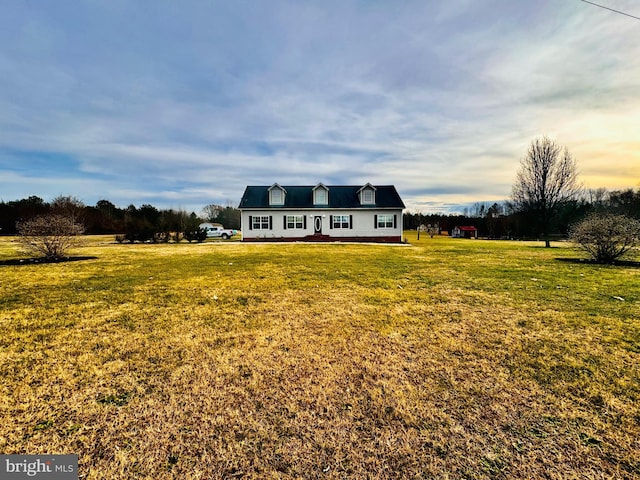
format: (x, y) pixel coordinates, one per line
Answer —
(365, 213)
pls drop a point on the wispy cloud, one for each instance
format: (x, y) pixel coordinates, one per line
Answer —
(185, 104)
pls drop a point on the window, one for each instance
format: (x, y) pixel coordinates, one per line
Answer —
(385, 221)
(367, 195)
(320, 196)
(295, 221)
(276, 197)
(260, 223)
(340, 221)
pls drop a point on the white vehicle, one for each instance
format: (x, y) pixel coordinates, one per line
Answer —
(217, 231)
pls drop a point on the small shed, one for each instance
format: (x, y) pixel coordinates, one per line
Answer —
(464, 232)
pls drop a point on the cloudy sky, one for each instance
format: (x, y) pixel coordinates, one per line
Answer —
(183, 103)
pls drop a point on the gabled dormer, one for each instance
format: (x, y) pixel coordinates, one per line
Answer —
(276, 195)
(320, 195)
(367, 195)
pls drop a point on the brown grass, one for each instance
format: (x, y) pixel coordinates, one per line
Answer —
(446, 359)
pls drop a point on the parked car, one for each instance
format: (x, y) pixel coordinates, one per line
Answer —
(217, 231)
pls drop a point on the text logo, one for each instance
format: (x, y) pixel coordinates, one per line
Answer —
(41, 467)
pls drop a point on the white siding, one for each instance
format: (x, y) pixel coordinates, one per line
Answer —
(362, 223)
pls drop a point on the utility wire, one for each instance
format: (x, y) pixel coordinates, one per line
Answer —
(611, 9)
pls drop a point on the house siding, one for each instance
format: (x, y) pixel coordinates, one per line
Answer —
(346, 200)
(362, 225)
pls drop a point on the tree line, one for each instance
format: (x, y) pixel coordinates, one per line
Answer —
(496, 220)
(505, 220)
(106, 218)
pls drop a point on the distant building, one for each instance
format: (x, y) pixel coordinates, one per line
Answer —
(464, 232)
(365, 213)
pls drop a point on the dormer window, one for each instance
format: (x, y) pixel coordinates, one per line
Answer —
(320, 195)
(276, 195)
(367, 195)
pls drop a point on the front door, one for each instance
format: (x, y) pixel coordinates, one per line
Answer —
(317, 224)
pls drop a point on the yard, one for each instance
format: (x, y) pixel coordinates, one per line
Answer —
(446, 358)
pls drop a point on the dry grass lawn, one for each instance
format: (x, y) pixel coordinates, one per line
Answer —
(445, 359)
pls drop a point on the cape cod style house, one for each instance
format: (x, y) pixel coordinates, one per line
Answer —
(363, 213)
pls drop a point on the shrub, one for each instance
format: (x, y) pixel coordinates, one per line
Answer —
(161, 237)
(141, 235)
(606, 237)
(49, 235)
(199, 235)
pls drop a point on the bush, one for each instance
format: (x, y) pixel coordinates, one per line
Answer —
(199, 235)
(161, 237)
(142, 235)
(606, 237)
(50, 235)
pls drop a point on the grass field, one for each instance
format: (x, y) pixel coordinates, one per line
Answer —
(445, 359)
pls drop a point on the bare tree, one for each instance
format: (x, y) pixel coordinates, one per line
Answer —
(50, 236)
(597, 196)
(68, 206)
(211, 212)
(547, 179)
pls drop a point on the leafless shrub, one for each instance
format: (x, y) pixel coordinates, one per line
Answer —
(606, 237)
(50, 236)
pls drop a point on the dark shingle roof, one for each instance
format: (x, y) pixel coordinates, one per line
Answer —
(340, 196)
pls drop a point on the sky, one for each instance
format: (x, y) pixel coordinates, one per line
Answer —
(183, 104)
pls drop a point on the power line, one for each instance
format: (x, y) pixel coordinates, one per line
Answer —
(611, 9)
